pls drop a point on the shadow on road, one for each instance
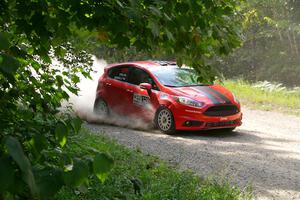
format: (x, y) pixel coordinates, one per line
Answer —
(237, 135)
(208, 133)
(270, 163)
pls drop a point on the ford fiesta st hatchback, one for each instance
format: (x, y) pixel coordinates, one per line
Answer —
(168, 95)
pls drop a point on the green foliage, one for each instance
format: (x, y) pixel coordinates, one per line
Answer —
(271, 47)
(78, 174)
(49, 181)
(46, 166)
(61, 133)
(268, 96)
(8, 64)
(6, 174)
(189, 31)
(139, 176)
(102, 165)
(4, 43)
(16, 152)
(33, 34)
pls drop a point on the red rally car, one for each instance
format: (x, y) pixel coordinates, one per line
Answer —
(168, 95)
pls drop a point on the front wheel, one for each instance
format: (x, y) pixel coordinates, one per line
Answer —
(164, 120)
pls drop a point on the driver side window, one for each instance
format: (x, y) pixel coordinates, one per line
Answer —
(138, 76)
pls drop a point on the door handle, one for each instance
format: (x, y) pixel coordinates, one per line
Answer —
(128, 90)
(108, 84)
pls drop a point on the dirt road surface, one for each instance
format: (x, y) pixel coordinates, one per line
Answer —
(263, 152)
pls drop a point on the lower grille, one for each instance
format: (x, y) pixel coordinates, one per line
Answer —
(218, 124)
(222, 110)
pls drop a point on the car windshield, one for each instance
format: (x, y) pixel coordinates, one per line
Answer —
(173, 76)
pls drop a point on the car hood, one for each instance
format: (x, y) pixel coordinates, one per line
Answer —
(213, 94)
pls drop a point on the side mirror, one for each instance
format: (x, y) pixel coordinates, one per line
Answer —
(146, 86)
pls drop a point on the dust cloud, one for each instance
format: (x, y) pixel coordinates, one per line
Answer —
(83, 103)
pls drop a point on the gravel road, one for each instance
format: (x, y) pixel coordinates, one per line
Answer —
(263, 152)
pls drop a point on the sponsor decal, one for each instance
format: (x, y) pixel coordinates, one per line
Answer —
(121, 77)
(223, 119)
(163, 96)
(193, 111)
(141, 100)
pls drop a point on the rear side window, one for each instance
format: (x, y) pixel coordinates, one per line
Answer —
(119, 73)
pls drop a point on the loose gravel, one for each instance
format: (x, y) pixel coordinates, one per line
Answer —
(264, 152)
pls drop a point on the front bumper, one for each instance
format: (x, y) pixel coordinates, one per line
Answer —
(189, 119)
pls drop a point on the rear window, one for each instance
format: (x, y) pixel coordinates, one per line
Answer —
(119, 73)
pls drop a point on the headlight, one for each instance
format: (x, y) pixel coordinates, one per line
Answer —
(188, 101)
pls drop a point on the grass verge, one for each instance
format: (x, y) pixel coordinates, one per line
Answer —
(139, 176)
(266, 97)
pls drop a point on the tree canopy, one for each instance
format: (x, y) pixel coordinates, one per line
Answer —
(271, 47)
(33, 33)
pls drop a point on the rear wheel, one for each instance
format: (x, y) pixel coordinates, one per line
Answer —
(101, 108)
(164, 120)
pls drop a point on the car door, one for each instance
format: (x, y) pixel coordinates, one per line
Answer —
(116, 87)
(143, 103)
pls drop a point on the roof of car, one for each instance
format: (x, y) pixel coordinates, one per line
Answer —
(146, 64)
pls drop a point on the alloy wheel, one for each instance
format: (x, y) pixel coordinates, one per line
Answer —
(165, 120)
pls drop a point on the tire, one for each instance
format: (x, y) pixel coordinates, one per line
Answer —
(164, 121)
(101, 108)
